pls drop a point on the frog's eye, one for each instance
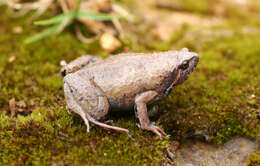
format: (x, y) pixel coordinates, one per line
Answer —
(184, 65)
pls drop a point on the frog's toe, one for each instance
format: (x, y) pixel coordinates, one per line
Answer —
(158, 131)
(129, 135)
(85, 120)
(68, 110)
(138, 125)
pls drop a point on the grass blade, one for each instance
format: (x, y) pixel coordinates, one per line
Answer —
(99, 16)
(57, 19)
(78, 5)
(47, 32)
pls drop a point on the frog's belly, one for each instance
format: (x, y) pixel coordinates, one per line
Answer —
(119, 105)
(128, 103)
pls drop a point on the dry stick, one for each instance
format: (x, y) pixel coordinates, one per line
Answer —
(38, 13)
(64, 6)
(82, 38)
(24, 8)
(119, 10)
(79, 34)
(118, 27)
(65, 9)
(19, 7)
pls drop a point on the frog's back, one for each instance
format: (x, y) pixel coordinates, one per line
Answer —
(123, 76)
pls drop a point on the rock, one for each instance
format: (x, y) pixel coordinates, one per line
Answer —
(197, 153)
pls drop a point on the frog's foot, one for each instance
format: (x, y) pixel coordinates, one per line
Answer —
(158, 131)
(87, 118)
(141, 101)
(107, 126)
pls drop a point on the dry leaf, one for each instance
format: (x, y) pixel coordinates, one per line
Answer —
(20, 106)
(12, 106)
(16, 106)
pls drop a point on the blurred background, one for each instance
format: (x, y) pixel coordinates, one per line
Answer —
(218, 102)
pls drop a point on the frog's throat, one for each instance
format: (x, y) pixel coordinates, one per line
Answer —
(175, 82)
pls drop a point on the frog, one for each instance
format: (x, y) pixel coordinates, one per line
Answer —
(128, 81)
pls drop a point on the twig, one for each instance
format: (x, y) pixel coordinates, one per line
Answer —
(41, 6)
(82, 38)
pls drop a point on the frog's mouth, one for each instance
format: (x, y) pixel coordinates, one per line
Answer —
(173, 84)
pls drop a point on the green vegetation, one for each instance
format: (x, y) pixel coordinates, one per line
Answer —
(58, 22)
(222, 96)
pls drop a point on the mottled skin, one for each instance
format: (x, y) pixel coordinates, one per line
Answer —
(124, 81)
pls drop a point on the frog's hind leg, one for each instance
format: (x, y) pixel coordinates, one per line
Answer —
(86, 99)
(87, 118)
(72, 105)
(107, 126)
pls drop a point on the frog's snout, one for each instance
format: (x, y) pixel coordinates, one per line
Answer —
(193, 63)
(187, 68)
(63, 72)
(195, 60)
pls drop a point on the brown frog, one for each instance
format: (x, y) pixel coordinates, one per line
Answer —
(93, 86)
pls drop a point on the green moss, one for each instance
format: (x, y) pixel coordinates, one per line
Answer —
(221, 97)
(254, 159)
(201, 6)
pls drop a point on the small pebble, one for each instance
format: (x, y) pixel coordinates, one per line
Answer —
(109, 43)
(11, 59)
(17, 30)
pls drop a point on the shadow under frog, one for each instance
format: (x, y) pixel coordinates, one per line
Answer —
(93, 86)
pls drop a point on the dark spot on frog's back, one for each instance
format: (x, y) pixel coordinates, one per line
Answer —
(81, 98)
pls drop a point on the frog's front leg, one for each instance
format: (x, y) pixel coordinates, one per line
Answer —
(78, 64)
(85, 98)
(140, 101)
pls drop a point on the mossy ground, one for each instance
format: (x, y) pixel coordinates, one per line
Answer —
(222, 96)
